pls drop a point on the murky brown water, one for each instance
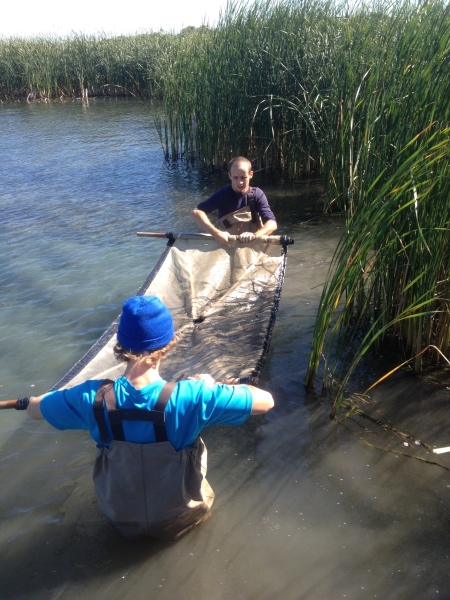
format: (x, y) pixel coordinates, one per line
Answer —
(305, 508)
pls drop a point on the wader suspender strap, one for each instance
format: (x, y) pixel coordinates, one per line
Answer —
(251, 204)
(106, 395)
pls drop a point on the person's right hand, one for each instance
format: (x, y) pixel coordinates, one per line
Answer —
(247, 236)
(221, 237)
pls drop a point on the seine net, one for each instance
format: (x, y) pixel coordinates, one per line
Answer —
(224, 300)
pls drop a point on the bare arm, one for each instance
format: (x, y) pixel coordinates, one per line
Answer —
(202, 220)
(34, 407)
(262, 401)
(268, 228)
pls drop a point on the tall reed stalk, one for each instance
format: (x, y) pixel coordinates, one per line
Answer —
(389, 277)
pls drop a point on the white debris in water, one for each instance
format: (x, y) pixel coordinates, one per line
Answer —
(441, 450)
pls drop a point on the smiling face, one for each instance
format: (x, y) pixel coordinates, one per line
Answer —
(240, 177)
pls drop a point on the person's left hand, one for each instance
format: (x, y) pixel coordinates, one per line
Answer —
(247, 236)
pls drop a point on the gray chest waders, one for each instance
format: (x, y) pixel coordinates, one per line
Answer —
(148, 489)
(243, 219)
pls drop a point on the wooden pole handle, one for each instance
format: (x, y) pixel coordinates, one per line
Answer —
(8, 403)
(151, 234)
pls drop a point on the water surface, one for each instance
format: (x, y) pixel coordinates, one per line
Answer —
(305, 509)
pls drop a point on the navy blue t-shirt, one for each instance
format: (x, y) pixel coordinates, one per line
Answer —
(227, 201)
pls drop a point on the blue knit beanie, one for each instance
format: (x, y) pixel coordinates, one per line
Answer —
(145, 324)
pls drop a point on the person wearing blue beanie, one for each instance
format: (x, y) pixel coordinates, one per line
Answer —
(150, 469)
(145, 324)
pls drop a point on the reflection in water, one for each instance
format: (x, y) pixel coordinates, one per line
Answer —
(304, 510)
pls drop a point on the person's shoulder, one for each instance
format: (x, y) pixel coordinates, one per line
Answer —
(212, 403)
(191, 388)
(70, 408)
(257, 191)
(198, 390)
(86, 390)
(195, 392)
(86, 387)
(215, 199)
(259, 195)
(187, 398)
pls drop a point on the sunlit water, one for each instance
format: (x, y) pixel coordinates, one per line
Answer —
(304, 510)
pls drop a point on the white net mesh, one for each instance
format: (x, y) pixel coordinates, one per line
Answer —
(223, 300)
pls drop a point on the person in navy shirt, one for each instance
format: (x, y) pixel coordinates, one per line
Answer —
(242, 210)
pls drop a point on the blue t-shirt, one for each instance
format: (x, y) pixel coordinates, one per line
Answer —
(227, 201)
(193, 405)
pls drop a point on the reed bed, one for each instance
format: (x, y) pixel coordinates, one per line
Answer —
(252, 86)
(292, 85)
(389, 277)
(50, 67)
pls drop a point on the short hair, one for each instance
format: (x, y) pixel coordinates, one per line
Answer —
(237, 160)
(125, 354)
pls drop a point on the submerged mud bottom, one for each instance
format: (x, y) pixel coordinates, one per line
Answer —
(326, 512)
(405, 416)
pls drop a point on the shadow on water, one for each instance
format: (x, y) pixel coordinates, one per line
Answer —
(360, 522)
(304, 510)
(55, 541)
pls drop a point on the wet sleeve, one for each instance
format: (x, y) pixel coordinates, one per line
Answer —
(70, 409)
(262, 205)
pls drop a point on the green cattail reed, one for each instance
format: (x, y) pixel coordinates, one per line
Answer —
(53, 67)
(390, 274)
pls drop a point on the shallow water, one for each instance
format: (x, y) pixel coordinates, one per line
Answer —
(304, 508)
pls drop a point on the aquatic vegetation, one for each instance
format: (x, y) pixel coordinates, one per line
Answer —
(389, 277)
(257, 85)
(363, 99)
(51, 67)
